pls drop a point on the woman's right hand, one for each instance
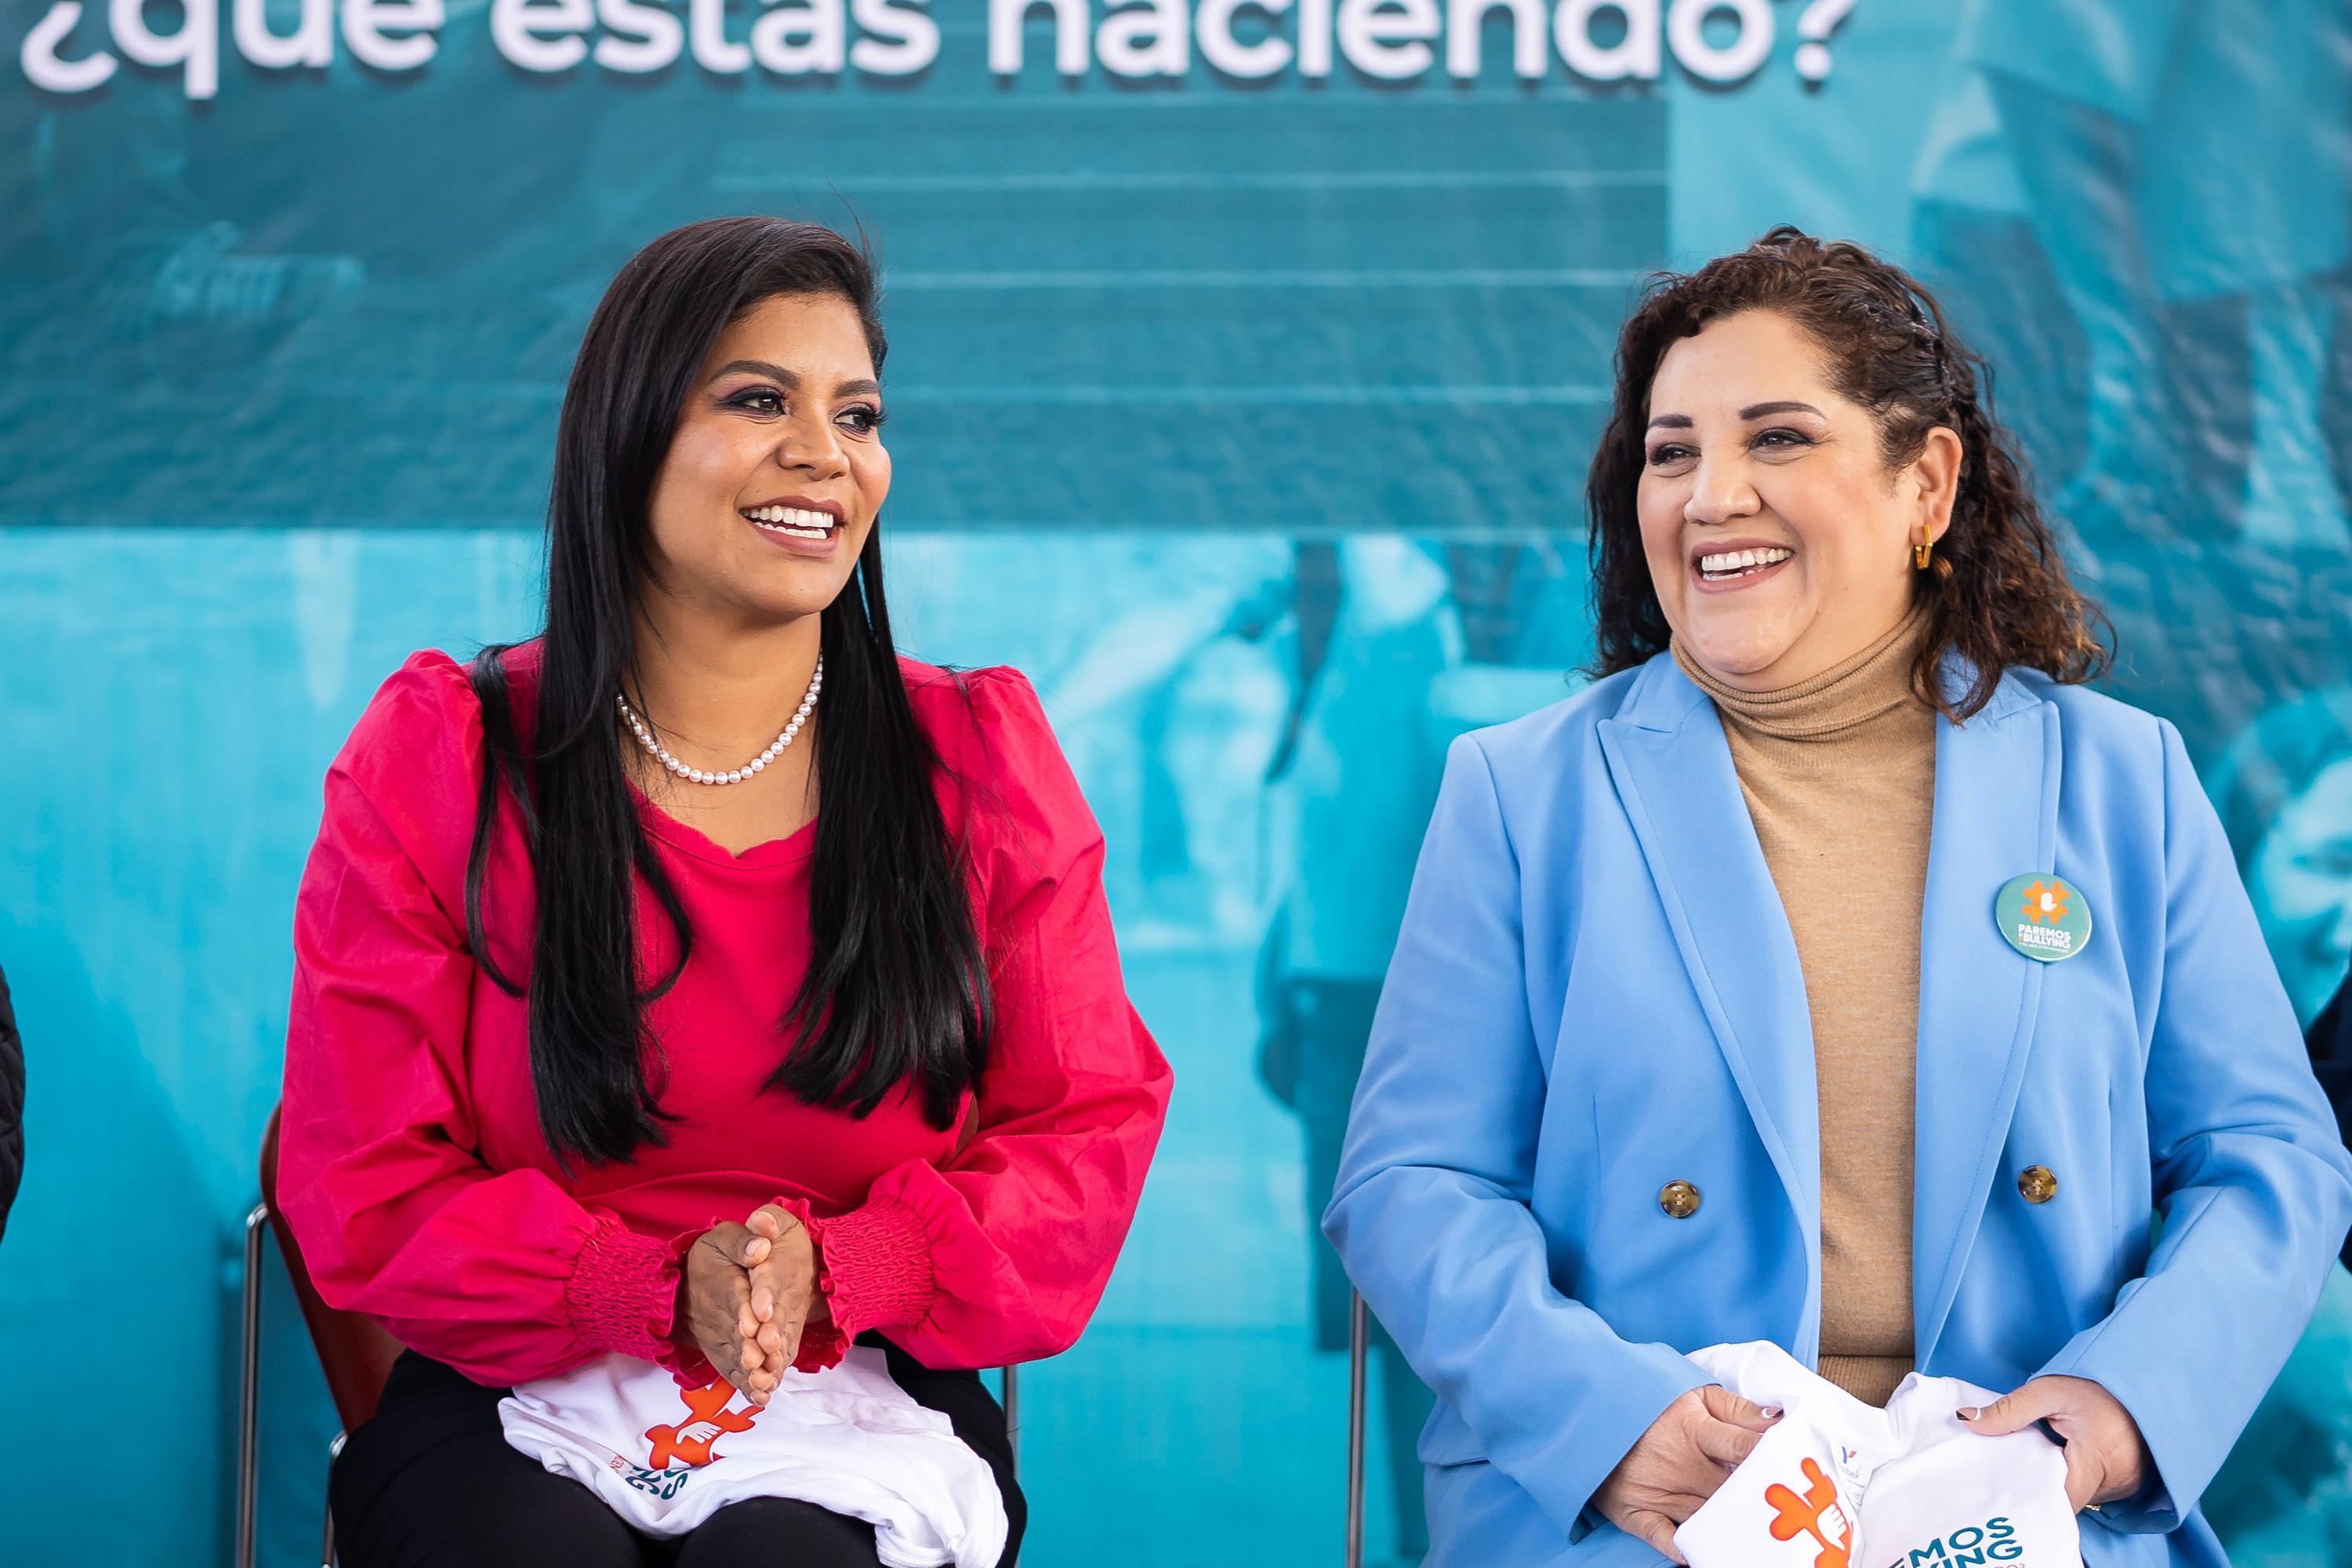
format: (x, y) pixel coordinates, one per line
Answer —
(717, 1303)
(1678, 1463)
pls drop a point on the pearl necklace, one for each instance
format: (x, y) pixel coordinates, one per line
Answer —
(757, 764)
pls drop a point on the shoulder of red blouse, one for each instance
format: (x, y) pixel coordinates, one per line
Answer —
(1006, 787)
(969, 713)
(416, 757)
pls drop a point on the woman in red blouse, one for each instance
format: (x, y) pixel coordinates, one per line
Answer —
(701, 981)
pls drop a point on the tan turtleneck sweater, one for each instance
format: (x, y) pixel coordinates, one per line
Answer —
(1840, 776)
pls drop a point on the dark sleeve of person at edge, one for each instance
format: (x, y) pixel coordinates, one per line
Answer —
(11, 1105)
(2330, 1039)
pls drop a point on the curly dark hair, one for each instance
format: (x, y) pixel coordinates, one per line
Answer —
(1998, 593)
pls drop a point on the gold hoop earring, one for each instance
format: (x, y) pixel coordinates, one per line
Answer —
(1923, 553)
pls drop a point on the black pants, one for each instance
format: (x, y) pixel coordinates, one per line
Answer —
(430, 1482)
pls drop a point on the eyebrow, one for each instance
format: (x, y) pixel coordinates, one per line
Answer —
(777, 373)
(758, 367)
(1753, 411)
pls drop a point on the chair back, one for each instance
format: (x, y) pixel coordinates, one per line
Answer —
(1358, 1338)
(354, 1351)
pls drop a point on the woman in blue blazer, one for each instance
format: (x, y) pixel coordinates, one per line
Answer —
(1588, 1137)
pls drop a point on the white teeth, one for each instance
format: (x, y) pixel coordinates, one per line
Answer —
(1742, 560)
(795, 517)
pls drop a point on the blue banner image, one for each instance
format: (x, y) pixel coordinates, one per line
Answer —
(1246, 359)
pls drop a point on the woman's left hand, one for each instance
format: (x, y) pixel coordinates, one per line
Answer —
(2107, 1459)
(784, 1290)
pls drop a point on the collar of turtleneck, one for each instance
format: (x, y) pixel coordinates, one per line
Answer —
(1869, 684)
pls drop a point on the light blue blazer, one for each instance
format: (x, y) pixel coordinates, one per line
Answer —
(1595, 993)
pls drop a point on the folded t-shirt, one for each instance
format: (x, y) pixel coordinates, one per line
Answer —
(1837, 1484)
(847, 1439)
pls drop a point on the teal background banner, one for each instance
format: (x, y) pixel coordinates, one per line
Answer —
(1246, 361)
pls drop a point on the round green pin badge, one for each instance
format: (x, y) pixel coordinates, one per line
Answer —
(2045, 918)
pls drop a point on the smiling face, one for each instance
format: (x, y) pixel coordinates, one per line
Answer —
(1779, 539)
(776, 470)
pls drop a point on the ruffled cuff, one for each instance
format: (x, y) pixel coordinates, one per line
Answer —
(622, 1294)
(873, 1270)
(822, 1345)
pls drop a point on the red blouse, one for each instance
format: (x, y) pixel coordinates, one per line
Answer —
(411, 1163)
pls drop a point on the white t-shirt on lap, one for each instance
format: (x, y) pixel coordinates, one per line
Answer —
(847, 1439)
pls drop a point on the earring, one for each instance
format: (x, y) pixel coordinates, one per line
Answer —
(1923, 553)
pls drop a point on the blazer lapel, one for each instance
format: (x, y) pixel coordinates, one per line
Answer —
(1997, 780)
(1673, 772)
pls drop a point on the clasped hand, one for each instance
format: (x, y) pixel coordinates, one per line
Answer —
(1700, 1439)
(750, 1290)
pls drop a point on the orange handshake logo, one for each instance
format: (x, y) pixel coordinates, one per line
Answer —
(1817, 1513)
(708, 1419)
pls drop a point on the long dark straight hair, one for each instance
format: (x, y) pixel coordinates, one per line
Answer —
(896, 990)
